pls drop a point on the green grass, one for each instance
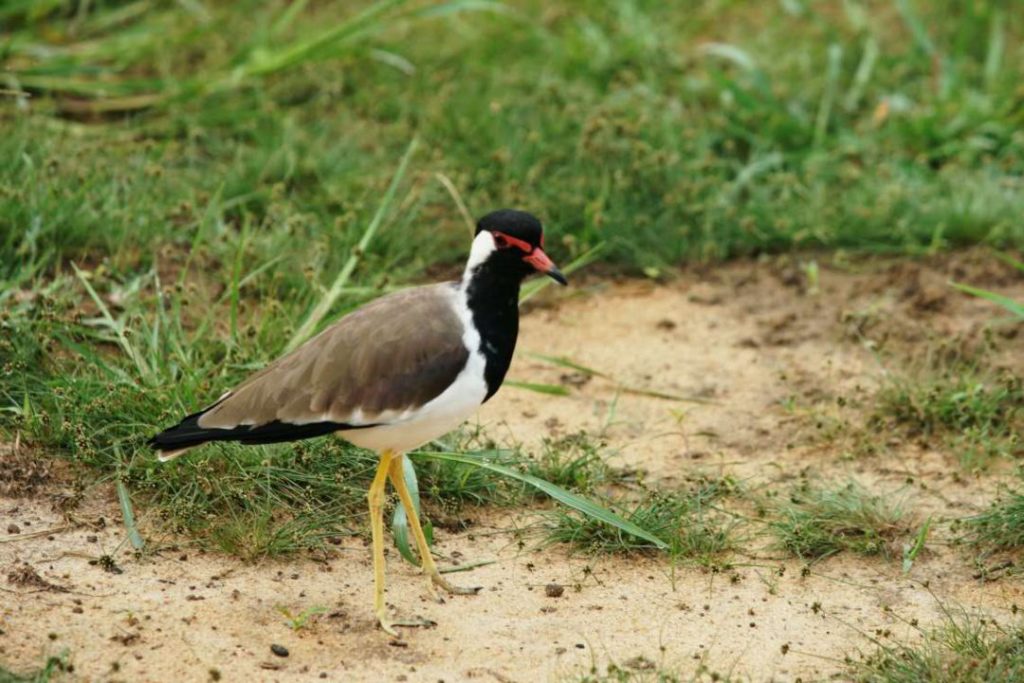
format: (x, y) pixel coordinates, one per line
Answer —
(667, 132)
(183, 185)
(963, 649)
(687, 520)
(818, 522)
(1000, 527)
(577, 462)
(967, 408)
(1014, 308)
(51, 670)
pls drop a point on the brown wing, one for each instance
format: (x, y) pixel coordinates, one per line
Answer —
(396, 353)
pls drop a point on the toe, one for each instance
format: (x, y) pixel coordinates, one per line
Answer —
(386, 625)
(439, 580)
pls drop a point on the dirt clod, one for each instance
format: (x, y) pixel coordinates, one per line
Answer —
(126, 639)
(26, 576)
(554, 590)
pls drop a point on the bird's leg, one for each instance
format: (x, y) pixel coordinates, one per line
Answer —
(426, 559)
(375, 496)
(376, 499)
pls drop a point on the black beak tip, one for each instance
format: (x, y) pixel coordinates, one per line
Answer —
(556, 275)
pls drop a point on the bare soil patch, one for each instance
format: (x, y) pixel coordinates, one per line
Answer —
(777, 358)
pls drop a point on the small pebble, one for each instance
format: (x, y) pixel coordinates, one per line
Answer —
(554, 590)
(279, 650)
(13, 529)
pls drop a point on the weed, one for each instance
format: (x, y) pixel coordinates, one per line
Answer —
(52, 670)
(297, 622)
(976, 412)
(575, 461)
(452, 485)
(964, 649)
(687, 521)
(912, 550)
(819, 522)
(954, 402)
(1000, 527)
(1014, 308)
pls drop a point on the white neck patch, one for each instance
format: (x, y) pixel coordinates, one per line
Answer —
(483, 247)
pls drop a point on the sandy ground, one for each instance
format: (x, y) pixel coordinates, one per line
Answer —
(773, 355)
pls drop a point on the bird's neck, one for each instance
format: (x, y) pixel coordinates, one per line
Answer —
(492, 296)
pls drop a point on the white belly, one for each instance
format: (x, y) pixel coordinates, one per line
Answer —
(436, 418)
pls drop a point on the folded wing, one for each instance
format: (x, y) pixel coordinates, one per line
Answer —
(372, 367)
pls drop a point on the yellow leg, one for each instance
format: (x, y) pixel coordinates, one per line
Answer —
(426, 559)
(375, 496)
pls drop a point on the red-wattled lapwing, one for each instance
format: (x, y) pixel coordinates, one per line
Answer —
(390, 376)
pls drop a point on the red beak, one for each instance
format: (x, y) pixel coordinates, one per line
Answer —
(539, 260)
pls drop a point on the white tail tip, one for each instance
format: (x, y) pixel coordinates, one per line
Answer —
(164, 456)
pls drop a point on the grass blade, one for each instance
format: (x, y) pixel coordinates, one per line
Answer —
(456, 6)
(400, 521)
(134, 537)
(468, 567)
(324, 305)
(587, 507)
(459, 203)
(116, 327)
(835, 59)
(664, 395)
(1014, 307)
(563, 362)
(863, 74)
(910, 552)
(549, 389)
(996, 48)
(916, 27)
(288, 16)
(1010, 261)
(265, 62)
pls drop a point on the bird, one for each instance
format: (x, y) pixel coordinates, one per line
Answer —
(392, 375)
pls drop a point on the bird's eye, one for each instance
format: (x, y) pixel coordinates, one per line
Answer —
(500, 240)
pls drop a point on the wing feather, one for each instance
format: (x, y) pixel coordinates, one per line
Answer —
(396, 353)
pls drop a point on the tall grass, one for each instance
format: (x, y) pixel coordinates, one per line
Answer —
(665, 132)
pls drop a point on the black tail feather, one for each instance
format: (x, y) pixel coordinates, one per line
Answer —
(188, 433)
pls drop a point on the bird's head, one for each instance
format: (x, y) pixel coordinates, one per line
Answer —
(513, 241)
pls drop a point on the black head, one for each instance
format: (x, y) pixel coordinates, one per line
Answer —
(519, 241)
(516, 224)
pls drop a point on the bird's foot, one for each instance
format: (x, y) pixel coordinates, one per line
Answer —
(387, 624)
(437, 580)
